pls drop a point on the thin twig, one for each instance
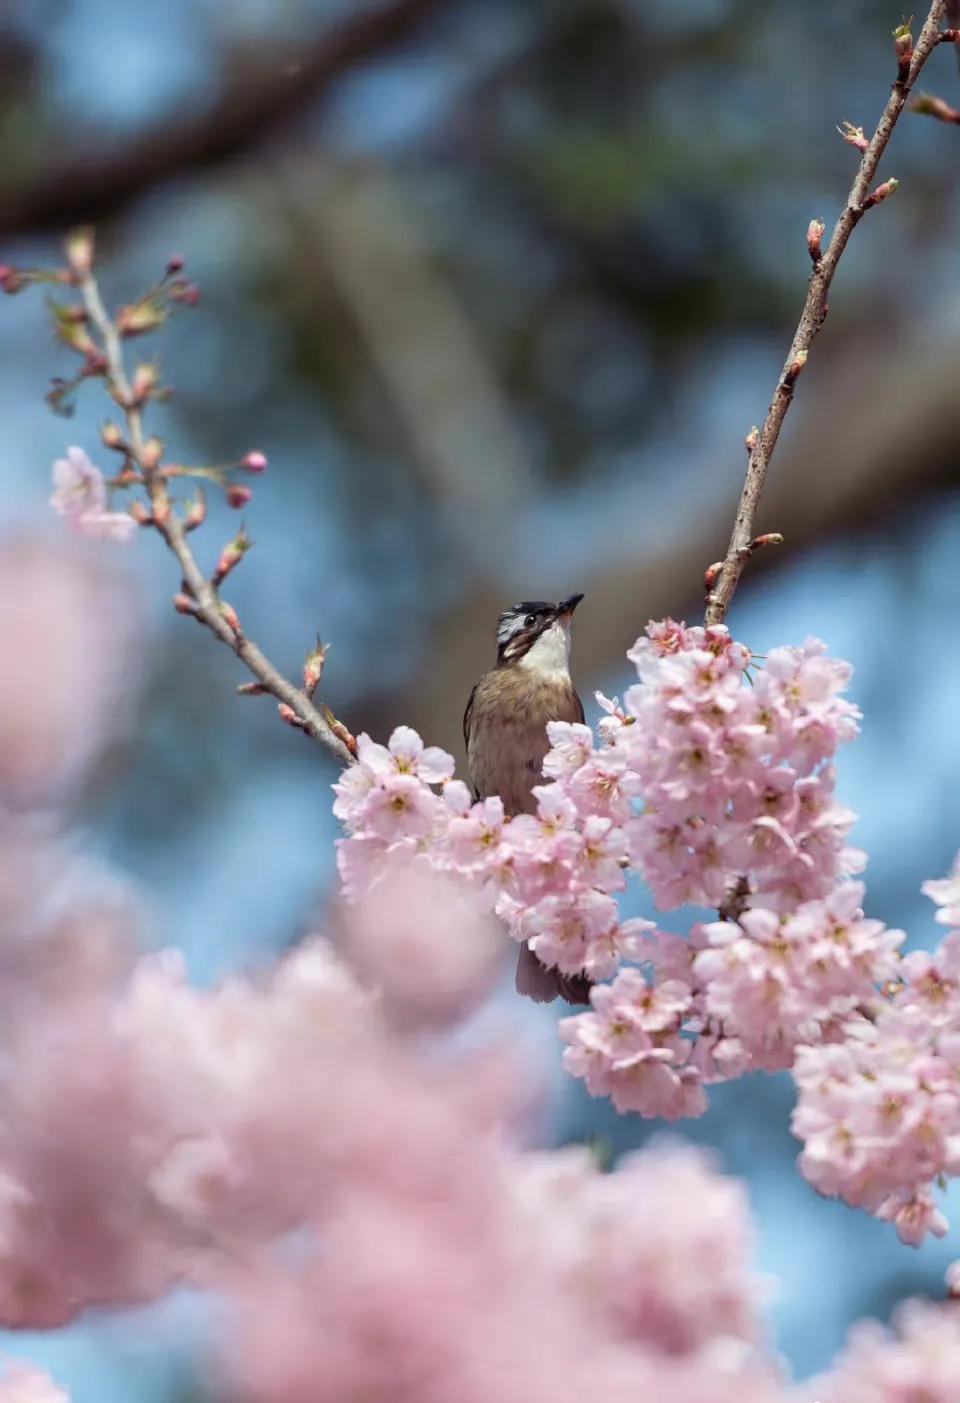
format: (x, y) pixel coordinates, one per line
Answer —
(812, 318)
(207, 606)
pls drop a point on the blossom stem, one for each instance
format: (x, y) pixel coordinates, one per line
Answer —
(208, 609)
(812, 318)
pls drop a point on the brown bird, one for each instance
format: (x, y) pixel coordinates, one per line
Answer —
(504, 728)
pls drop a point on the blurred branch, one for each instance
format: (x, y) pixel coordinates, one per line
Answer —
(89, 183)
(911, 59)
(201, 598)
(358, 223)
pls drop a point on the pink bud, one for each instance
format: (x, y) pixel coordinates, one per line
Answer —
(196, 512)
(144, 382)
(174, 265)
(238, 496)
(230, 614)
(854, 136)
(882, 192)
(184, 292)
(11, 279)
(255, 463)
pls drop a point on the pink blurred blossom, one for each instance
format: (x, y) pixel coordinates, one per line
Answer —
(80, 495)
(66, 625)
(23, 1383)
(919, 1360)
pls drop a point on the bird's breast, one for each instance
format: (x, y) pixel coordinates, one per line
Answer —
(507, 739)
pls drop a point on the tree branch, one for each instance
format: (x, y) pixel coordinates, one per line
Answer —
(203, 600)
(88, 184)
(814, 312)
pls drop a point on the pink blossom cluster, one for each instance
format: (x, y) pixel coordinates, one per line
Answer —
(22, 1383)
(731, 763)
(918, 1362)
(492, 1276)
(550, 875)
(736, 996)
(360, 1203)
(80, 495)
(879, 1112)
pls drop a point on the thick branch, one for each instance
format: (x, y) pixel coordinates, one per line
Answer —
(207, 607)
(88, 184)
(811, 320)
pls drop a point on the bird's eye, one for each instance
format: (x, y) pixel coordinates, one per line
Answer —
(530, 619)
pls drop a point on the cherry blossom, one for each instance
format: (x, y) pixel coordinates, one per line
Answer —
(22, 1383)
(919, 1360)
(80, 495)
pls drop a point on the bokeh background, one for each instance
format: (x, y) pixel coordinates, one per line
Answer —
(499, 286)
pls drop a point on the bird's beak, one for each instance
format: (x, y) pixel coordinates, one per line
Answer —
(566, 606)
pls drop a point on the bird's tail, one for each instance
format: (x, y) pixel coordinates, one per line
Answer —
(543, 984)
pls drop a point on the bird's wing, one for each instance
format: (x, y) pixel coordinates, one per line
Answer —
(468, 716)
(467, 719)
(581, 717)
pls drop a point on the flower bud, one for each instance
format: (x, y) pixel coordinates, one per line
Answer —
(184, 604)
(853, 136)
(144, 381)
(230, 614)
(815, 232)
(712, 574)
(752, 439)
(186, 293)
(881, 193)
(238, 496)
(152, 453)
(140, 514)
(141, 317)
(929, 106)
(254, 463)
(111, 437)
(903, 48)
(174, 265)
(12, 280)
(79, 251)
(231, 555)
(339, 730)
(70, 324)
(313, 668)
(795, 367)
(196, 511)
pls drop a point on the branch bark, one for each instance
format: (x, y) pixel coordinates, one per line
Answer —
(206, 604)
(813, 315)
(88, 184)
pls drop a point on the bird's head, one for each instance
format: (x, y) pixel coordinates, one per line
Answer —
(536, 635)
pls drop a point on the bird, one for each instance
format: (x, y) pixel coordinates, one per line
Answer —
(504, 730)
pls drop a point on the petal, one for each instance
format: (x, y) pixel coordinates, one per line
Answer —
(108, 526)
(406, 746)
(435, 765)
